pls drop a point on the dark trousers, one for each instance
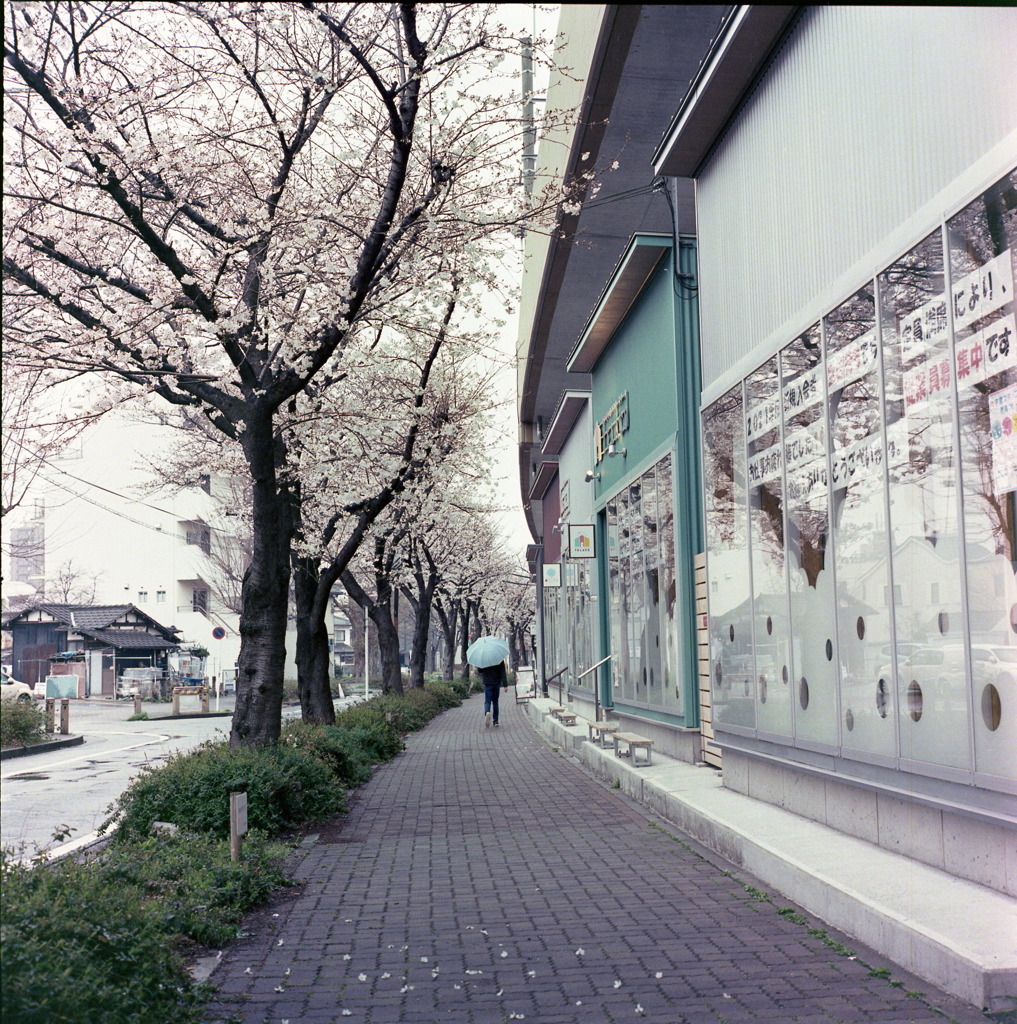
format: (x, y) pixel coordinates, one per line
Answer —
(491, 697)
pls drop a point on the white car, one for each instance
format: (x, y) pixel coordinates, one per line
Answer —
(11, 689)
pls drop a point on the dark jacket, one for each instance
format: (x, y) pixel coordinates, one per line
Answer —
(495, 675)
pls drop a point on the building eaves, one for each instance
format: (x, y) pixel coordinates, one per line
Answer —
(739, 55)
(545, 474)
(569, 408)
(638, 264)
(130, 639)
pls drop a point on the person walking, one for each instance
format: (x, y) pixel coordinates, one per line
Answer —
(495, 679)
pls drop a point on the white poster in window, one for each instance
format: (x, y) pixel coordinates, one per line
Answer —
(1003, 430)
(861, 461)
(807, 484)
(806, 389)
(923, 328)
(765, 465)
(987, 353)
(851, 362)
(762, 417)
(927, 380)
(804, 445)
(982, 291)
(552, 575)
(581, 541)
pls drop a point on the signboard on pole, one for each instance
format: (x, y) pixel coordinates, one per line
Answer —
(581, 541)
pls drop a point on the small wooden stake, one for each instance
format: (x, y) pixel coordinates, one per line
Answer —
(238, 823)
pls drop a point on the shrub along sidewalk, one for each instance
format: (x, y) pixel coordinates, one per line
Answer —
(106, 938)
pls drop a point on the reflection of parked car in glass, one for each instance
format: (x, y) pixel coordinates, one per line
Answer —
(12, 689)
(941, 672)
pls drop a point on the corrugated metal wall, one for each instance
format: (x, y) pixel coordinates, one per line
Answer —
(864, 116)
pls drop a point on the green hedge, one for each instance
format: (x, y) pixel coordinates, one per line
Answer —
(285, 786)
(21, 722)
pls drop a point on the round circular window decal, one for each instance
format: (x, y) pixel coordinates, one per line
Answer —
(944, 623)
(849, 719)
(829, 650)
(860, 628)
(1013, 617)
(882, 697)
(762, 689)
(992, 709)
(783, 673)
(803, 693)
(769, 626)
(718, 672)
(915, 703)
(730, 631)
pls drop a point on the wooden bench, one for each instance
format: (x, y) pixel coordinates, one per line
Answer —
(567, 718)
(599, 731)
(633, 742)
(555, 712)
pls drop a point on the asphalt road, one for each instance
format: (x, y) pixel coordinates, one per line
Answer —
(73, 788)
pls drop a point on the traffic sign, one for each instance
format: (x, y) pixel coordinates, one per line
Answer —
(218, 633)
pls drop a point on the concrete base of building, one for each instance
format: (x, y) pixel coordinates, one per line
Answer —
(950, 931)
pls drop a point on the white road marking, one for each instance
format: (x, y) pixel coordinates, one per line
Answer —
(36, 769)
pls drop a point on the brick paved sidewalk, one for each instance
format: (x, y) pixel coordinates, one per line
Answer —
(482, 878)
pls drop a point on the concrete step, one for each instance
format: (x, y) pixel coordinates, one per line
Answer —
(956, 934)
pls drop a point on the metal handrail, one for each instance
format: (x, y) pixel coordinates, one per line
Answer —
(592, 667)
(560, 685)
(596, 688)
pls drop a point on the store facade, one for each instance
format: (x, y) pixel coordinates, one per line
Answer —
(859, 461)
(640, 348)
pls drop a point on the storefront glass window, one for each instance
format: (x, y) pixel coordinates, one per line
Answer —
(643, 591)
(810, 575)
(982, 239)
(932, 705)
(730, 598)
(774, 671)
(671, 681)
(859, 528)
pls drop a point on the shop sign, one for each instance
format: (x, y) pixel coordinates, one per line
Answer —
(987, 353)
(552, 575)
(982, 291)
(581, 541)
(851, 362)
(565, 505)
(613, 426)
(1003, 431)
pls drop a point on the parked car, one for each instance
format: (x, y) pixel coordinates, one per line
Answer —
(11, 688)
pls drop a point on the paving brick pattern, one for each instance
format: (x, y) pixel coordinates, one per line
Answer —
(483, 877)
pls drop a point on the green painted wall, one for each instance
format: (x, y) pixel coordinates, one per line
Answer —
(654, 357)
(641, 361)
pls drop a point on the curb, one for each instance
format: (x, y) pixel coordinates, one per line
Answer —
(191, 714)
(41, 748)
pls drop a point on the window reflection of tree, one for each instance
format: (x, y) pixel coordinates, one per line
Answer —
(982, 231)
(807, 518)
(721, 426)
(761, 387)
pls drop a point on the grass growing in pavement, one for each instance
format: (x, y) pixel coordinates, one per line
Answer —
(106, 939)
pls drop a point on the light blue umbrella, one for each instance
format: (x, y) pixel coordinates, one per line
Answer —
(486, 651)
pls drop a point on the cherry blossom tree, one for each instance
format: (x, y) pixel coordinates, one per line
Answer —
(220, 203)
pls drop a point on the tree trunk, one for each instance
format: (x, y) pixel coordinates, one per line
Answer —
(257, 719)
(464, 640)
(380, 613)
(356, 616)
(388, 646)
(421, 629)
(447, 620)
(313, 675)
